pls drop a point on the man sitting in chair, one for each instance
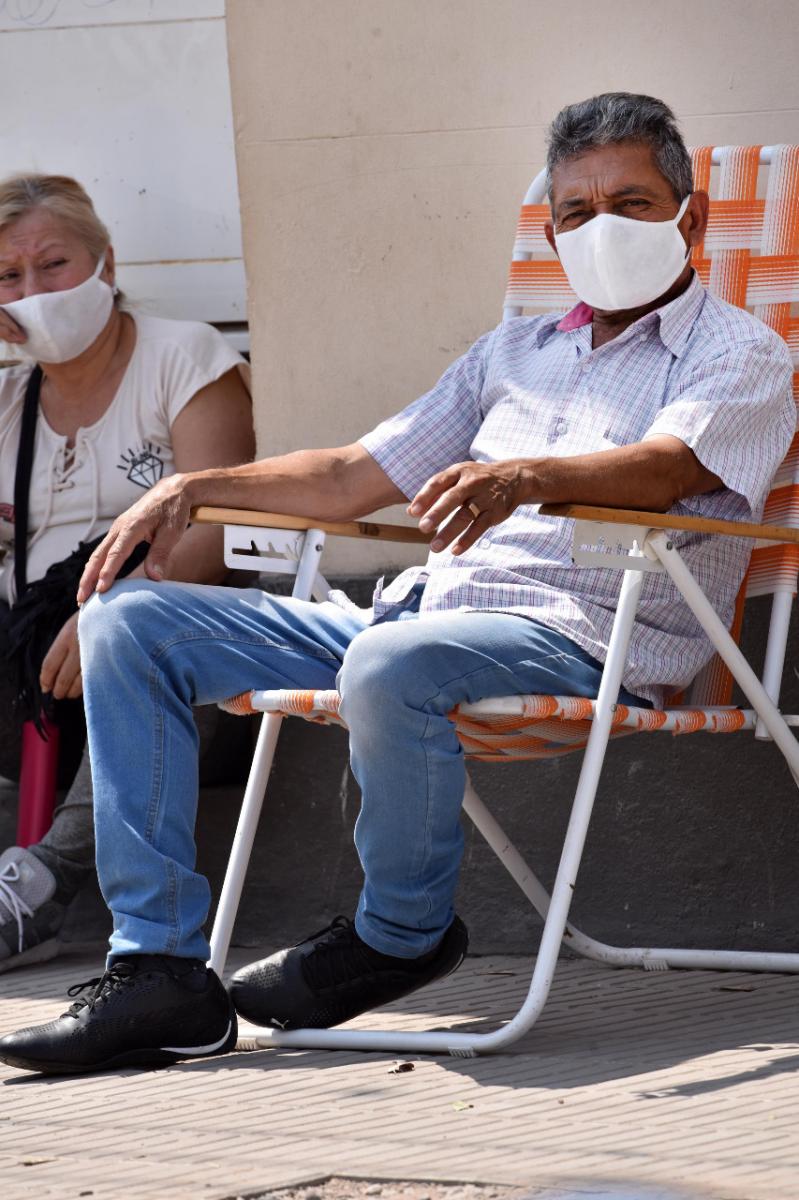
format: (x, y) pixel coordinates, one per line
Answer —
(650, 394)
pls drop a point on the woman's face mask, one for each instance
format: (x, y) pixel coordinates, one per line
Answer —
(616, 263)
(61, 325)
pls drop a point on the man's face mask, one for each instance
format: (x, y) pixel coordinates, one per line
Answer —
(61, 325)
(614, 263)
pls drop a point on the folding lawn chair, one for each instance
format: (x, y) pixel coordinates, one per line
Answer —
(750, 257)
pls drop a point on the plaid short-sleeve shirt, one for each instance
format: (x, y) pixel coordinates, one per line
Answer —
(697, 368)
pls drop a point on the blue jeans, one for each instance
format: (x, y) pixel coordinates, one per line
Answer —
(150, 651)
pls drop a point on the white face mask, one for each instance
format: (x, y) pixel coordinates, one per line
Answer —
(61, 325)
(615, 263)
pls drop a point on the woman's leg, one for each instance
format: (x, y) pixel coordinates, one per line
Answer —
(35, 888)
(69, 842)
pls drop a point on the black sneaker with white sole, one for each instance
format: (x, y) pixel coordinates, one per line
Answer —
(147, 1010)
(334, 975)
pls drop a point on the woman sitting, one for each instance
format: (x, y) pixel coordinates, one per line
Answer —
(105, 402)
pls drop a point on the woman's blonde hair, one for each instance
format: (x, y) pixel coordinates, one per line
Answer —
(60, 195)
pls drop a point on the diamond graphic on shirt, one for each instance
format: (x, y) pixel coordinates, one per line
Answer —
(143, 467)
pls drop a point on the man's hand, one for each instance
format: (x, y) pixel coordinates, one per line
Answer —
(60, 673)
(651, 475)
(474, 496)
(160, 518)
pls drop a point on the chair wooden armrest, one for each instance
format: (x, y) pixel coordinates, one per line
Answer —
(654, 520)
(208, 515)
(377, 531)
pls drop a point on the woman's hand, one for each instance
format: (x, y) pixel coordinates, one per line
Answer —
(474, 496)
(10, 331)
(160, 518)
(60, 673)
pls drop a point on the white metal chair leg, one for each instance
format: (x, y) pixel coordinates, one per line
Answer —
(467, 1045)
(774, 663)
(651, 958)
(753, 689)
(243, 840)
(307, 579)
(526, 879)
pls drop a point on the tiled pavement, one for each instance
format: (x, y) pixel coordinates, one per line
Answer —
(647, 1086)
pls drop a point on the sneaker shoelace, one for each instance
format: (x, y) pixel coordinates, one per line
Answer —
(340, 958)
(118, 977)
(11, 899)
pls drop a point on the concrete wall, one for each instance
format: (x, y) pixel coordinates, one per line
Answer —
(383, 149)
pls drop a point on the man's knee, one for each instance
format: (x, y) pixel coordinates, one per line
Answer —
(108, 618)
(389, 663)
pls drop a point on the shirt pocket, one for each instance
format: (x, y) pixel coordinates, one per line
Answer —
(568, 438)
(608, 442)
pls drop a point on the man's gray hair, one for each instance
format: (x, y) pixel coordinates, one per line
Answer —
(622, 117)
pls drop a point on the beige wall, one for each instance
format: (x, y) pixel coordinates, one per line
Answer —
(384, 146)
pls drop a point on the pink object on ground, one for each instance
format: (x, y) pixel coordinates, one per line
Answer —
(37, 782)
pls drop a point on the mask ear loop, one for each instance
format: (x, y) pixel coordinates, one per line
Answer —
(681, 211)
(99, 270)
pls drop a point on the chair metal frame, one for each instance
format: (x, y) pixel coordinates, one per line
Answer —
(630, 542)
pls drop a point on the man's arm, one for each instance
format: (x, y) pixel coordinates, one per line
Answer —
(340, 484)
(651, 475)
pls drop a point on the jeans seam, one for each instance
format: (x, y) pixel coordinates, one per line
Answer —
(155, 689)
(173, 940)
(161, 648)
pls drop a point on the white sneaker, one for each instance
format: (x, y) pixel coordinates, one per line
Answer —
(31, 912)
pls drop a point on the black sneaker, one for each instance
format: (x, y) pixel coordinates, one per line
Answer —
(334, 975)
(145, 1011)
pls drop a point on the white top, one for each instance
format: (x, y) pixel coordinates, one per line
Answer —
(76, 492)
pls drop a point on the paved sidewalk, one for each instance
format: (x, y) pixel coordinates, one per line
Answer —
(650, 1086)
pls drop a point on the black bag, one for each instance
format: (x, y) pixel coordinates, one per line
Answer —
(41, 607)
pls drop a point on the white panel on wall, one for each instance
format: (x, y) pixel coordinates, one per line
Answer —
(132, 98)
(37, 14)
(195, 291)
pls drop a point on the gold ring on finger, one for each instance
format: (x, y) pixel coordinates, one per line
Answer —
(474, 510)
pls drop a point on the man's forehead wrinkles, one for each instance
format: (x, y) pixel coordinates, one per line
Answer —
(629, 189)
(624, 189)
